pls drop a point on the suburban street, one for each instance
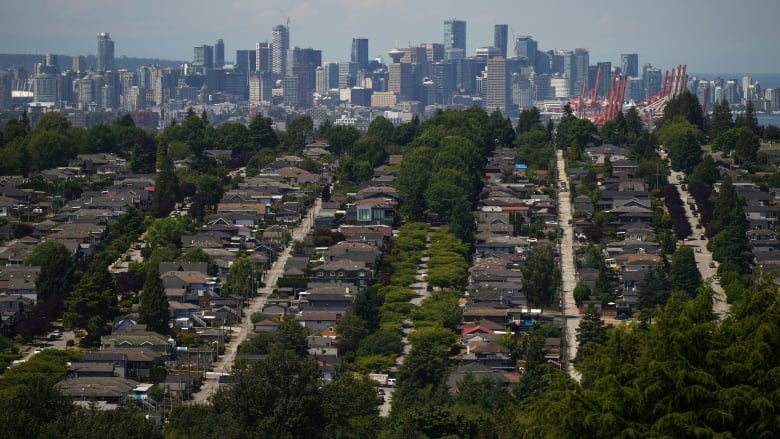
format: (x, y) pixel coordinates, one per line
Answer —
(703, 256)
(225, 362)
(571, 313)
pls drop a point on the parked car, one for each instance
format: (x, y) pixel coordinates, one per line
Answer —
(621, 316)
(712, 264)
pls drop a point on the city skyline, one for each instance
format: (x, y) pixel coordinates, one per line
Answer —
(708, 36)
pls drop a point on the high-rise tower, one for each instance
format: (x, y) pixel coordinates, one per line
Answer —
(105, 52)
(360, 53)
(400, 76)
(498, 97)
(263, 57)
(219, 54)
(455, 35)
(279, 48)
(203, 56)
(500, 36)
(526, 47)
(629, 64)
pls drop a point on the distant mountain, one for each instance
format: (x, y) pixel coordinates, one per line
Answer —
(66, 61)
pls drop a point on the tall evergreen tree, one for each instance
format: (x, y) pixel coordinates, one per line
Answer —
(165, 188)
(721, 119)
(728, 209)
(55, 280)
(154, 311)
(685, 274)
(540, 276)
(590, 333)
(262, 134)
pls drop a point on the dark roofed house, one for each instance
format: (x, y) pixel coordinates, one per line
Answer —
(109, 390)
(342, 271)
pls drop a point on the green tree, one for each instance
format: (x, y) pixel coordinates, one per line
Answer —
(92, 305)
(732, 248)
(262, 134)
(571, 130)
(684, 274)
(48, 149)
(350, 409)
(299, 131)
(447, 189)
(351, 329)
(654, 290)
(278, 397)
(165, 188)
(413, 180)
(54, 121)
(581, 293)
(727, 210)
(721, 119)
(341, 139)
(154, 311)
(748, 119)
(540, 277)
(460, 154)
(500, 129)
(706, 172)
(381, 128)
(241, 279)
(15, 129)
(683, 142)
(381, 343)
(746, 146)
(590, 333)
(55, 280)
(684, 106)
(292, 337)
(529, 119)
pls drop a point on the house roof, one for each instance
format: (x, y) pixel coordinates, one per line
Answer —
(96, 387)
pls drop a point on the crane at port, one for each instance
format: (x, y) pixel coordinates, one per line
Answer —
(588, 104)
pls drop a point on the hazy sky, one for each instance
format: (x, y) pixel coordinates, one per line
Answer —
(710, 36)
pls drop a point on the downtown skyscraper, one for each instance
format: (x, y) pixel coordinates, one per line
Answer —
(219, 54)
(360, 53)
(455, 38)
(500, 37)
(105, 52)
(280, 44)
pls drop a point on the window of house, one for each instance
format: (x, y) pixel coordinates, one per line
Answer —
(364, 214)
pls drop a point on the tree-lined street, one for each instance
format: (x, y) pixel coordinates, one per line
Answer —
(225, 362)
(569, 307)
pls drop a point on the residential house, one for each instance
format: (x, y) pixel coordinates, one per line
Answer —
(342, 271)
(373, 211)
(598, 154)
(138, 337)
(317, 321)
(106, 392)
(479, 372)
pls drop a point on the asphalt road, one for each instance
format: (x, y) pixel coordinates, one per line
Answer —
(225, 362)
(703, 256)
(568, 271)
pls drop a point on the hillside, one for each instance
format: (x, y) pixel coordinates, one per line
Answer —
(66, 61)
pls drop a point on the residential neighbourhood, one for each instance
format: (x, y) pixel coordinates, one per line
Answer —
(481, 273)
